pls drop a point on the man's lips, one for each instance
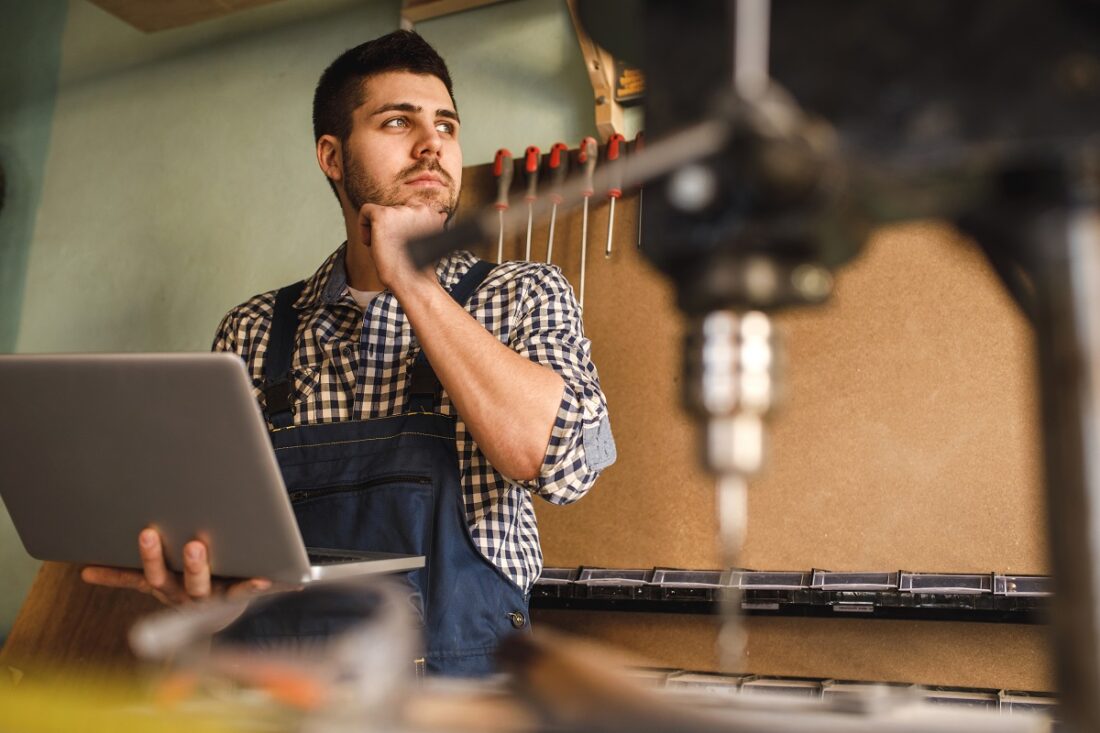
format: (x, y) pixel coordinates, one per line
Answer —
(425, 179)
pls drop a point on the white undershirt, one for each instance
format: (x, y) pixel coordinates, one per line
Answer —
(362, 297)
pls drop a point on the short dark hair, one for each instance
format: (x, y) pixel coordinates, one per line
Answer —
(340, 89)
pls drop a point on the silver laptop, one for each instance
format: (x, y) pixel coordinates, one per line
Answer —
(95, 447)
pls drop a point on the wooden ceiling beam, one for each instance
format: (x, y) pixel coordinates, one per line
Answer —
(151, 16)
(415, 11)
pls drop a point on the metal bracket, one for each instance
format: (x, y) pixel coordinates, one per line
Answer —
(601, 72)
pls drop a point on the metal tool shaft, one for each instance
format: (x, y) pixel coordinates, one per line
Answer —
(584, 248)
(550, 239)
(733, 508)
(500, 240)
(530, 222)
(610, 227)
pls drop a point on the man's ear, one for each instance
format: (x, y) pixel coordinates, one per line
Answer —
(330, 157)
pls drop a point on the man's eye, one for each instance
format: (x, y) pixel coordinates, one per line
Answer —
(446, 127)
(396, 122)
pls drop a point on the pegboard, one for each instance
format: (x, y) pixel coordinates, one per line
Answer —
(908, 439)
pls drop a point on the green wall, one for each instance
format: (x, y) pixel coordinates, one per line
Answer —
(180, 176)
(177, 186)
(30, 42)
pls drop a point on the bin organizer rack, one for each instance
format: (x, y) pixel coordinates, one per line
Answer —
(712, 689)
(903, 595)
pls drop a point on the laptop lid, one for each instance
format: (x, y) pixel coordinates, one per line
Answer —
(95, 447)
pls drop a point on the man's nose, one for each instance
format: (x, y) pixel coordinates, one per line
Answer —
(429, 143)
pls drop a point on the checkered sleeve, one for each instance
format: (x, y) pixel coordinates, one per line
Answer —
(550, 332)
(225, 338)
(244, 332)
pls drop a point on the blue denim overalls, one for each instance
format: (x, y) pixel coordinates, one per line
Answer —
(388, 484)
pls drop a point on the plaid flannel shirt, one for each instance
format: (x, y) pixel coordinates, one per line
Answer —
(352, 363)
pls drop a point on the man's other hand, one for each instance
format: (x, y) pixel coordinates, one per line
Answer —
(173, 589)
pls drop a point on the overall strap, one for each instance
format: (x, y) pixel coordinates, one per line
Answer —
(423, 383)
(278, 385)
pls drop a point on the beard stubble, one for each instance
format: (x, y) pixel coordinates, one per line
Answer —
(362, 188)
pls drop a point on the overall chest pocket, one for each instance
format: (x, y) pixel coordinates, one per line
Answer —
(381, 514)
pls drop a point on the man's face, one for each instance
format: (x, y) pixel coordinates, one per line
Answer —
(403, 146)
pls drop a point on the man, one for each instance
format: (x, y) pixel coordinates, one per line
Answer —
(412, 411)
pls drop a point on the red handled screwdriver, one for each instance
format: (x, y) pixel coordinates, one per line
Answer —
(587, 158)
(639, 144)
(531, 168)
(559, 166)
(616, 190)
(502, 171)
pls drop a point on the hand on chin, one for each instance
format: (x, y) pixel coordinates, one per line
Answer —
(387, 230)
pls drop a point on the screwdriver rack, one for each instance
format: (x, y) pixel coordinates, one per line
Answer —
(537, 173)
(576, 239)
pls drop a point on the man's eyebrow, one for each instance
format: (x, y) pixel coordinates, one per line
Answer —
(413, 109)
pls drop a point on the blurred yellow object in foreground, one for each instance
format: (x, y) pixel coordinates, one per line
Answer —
(64, 705)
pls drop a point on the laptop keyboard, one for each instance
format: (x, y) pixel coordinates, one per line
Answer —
(332, 559)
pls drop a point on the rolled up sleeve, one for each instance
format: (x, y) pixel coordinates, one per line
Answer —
(550, 332)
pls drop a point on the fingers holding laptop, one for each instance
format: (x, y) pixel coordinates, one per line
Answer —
(170, 588)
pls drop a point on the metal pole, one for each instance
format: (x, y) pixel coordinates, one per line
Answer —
(1066, 255)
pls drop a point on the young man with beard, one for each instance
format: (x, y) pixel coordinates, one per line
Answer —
(412, 411)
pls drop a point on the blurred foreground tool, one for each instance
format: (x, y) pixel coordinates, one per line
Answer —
(559, 166)
(531, 169)
(502, 171)
(586, 156)
(762, 188)
(616, 188)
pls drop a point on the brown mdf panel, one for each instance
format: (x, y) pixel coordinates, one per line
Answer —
(908, 437)
(994, 656)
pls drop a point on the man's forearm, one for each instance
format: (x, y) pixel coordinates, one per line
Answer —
(508, 402)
